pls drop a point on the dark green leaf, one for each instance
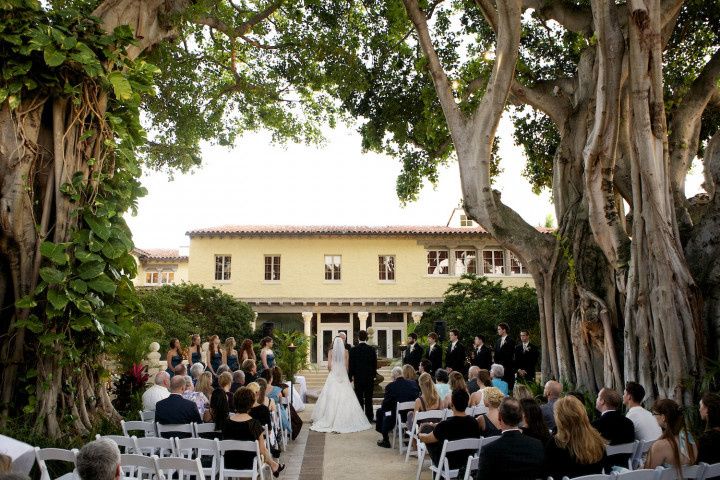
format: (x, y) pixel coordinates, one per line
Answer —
(53, 57)
(52, 275)
(57, 299)
(102, 284)
(90, 270)
(55, 252)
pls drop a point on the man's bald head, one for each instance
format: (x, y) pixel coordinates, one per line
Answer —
(553, 389)
(177, 384)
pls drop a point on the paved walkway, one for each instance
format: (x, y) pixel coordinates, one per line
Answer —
(325, 456)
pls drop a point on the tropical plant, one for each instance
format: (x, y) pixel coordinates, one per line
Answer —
(291, 362)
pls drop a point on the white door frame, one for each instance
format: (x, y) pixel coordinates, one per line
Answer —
(335, 328)
(389, 327)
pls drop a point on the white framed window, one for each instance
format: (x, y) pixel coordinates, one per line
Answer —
(516, 266)
(386, 268)
(272, 268)
(154, 277)
(438, 262)
(466, 221)
(465, 262)
(222, 267)
(333, 264)
(494, 262)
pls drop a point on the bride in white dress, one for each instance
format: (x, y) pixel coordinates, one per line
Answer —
(337, 409)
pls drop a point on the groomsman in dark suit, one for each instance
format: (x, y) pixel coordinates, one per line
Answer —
(526, 358)
(413, 353)
(362, 371)
(434, 353)
(455, 358)
(482, 355)
(505, 352)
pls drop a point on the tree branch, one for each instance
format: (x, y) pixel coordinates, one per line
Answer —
(248, 25)
(574, 18)
(546, 96)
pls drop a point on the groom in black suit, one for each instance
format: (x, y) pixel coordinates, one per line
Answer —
(362, 371)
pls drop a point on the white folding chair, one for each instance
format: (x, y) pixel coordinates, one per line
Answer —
(640, 453)
(185, 467)
(162, 447)
(694, 472)
(147, 415)
(399, 429)
(624, 449)
(139, 467)
(225, 446)
(434, 416)
(711, 471)
(43, 455)
(473, 464)
(286, 433)
(442, 470)
(125, 444)
(643, 474)
(148, 428)
(199, 448)
(486, 441)
(206, 430)
(598, 476)
(170, 430)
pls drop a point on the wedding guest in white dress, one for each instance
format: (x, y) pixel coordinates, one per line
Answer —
(337, 409)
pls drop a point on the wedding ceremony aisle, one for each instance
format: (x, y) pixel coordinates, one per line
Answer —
(325, 456)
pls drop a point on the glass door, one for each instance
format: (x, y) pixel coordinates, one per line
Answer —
(326, 335)
(389, 340)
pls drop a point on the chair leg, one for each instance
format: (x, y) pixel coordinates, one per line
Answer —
(421, 460)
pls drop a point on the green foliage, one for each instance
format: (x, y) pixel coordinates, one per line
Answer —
(291, 362)
(475, 305)
(185, 309)
(134, 346)
(537, 134)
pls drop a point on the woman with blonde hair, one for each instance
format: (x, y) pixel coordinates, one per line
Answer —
(457, 382)
(428, 399)
(205, 384)
(676, 446)
(489, 422)
(216, 356)
(231, 355)
(577, 449)
(196, 349)
(409, 372)
(521, 392)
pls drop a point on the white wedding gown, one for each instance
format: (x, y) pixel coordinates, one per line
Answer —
(337, 409)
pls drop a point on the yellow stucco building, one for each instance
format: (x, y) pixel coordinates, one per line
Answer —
(326, 279)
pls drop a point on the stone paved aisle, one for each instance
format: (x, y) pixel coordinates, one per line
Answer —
(327, 456)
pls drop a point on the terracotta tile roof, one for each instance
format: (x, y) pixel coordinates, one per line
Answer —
(302, 230)
(159, 254)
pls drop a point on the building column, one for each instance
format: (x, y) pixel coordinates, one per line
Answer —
(416, 316)
(363, 316)
(253, 324)
(307, 320)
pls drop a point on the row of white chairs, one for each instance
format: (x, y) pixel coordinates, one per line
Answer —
(154, 429)
(702, 471)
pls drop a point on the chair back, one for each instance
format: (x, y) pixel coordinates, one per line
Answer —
(206, 430)
(711, 471)
(597, 476)
(429, 415)
(147, 415)
(225, 446)
(641, 451)
(622, 449)
(487, 441)
(43, 455)
(148, 428)
(404, 407)
(138, 466)
(162, 447)
(643, 474)
(125, 444)
(473, 464)
(170, 429)
(185, 467)
(695, 472)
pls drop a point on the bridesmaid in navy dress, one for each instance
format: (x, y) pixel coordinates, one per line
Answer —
(267, 356)
(216, 356)
(174, 356)
(231, 355)
(195, 349)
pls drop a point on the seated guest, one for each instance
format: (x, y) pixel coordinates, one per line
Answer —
(426, 367)
(397, 391)
(428, 399)
(646, 428)
(534, 425)
(199, 398)
(157, 392)
(455, 427)
(709, 441)
(218, 410)
(483, 380)
(280, 389)
(576, 449)
(472, 384)
(225, 382)
(675, 447)
(552, 392)
(409, 373)
(441, 382)
(249, 367)
(196, 370)
(238, 380)
(241, 426)
(489, 422)
(457, 382)
(513, 455)
(521, 392)
(175, 409)
(497, 372)
(612, 424)
(205, 384)
(260, 410)
(99, 460)
(181, 369)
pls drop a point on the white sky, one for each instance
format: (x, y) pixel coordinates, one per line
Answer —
(263, 184)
